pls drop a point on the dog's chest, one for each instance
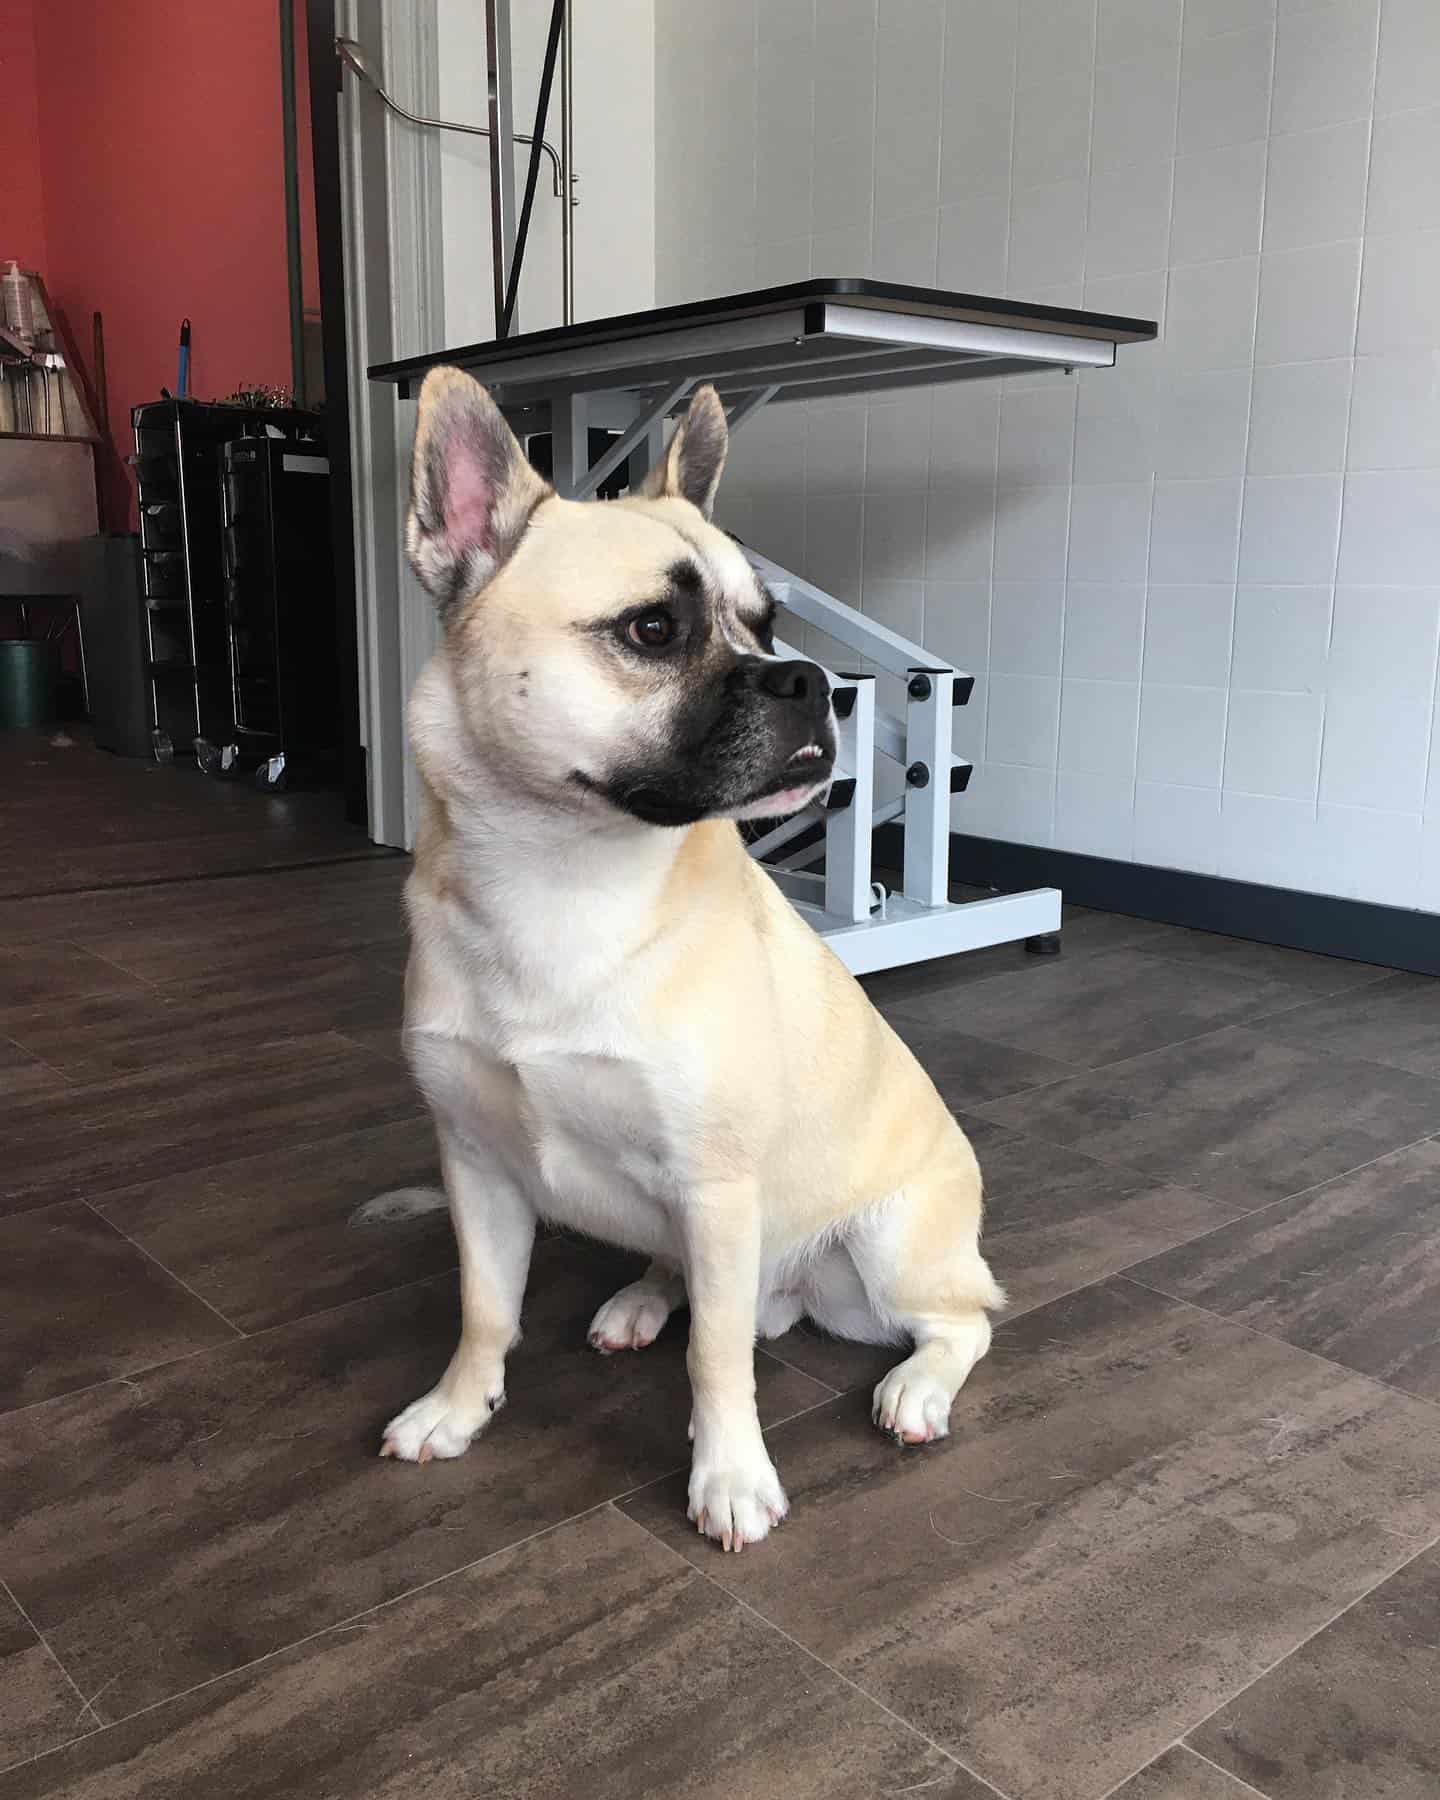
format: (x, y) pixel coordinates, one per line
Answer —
(598, 1133)
(559, 1060)
(606, 1134)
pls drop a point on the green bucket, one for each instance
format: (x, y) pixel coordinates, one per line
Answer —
(29, 670)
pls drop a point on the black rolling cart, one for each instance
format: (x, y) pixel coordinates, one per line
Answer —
(179, 447)
(279, 614)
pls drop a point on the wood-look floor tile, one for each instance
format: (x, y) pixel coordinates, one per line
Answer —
(321, 993)
(191, 1111)
(1238, 1114)
(967, 1070)
(1140, 1508)
(1143, 1504)
(1350, 1270)
(197, 856)
(939, 989)
(1355, 1712)
(39, 1707)
(1057, 1219)
(1299, 970)
(1181, 1775)
(91, 1038)
(1084, 928)
(289, 944)
(232, 940)
(22, 1073)
(39, 974)
(269, 1238)
(1100, 1009)
(1395, 1021)
(166, 1529)
(82, 1304)
(86, 819)
(938, 983)
(379, 1040)
(178, 928)
(588, 1661)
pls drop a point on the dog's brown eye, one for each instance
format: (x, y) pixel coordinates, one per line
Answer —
(651, 631)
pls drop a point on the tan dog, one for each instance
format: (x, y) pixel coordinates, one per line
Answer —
(618, 1022)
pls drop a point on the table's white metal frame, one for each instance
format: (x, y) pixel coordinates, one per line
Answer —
(630, 377)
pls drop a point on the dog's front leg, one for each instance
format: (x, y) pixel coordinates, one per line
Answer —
(735, 1494)
(495, 1230)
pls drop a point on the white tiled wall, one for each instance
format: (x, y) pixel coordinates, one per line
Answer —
(1201, 591)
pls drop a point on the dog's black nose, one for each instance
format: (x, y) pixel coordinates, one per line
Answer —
(801, 683)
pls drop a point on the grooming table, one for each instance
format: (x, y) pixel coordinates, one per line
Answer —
(808, 341)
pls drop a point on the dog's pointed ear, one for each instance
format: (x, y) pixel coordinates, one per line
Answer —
(471, 489)
(691, 467)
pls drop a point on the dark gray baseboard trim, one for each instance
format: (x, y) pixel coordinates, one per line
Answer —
(1360, 930)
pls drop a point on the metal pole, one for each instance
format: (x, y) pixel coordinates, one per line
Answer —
(569, 442)
(502, 150)
(847, 833)
(567, 164)
(929, 709)
(293, 265)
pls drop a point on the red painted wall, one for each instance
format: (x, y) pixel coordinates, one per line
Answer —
(163, 177)
(22, 210)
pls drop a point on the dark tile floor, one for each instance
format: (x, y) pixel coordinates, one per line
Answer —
(1182, 1543)
(89, 820)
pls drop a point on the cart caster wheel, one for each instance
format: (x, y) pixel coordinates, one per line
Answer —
(270, 776)
(1046, 944)
(161, 747)
(215, 759)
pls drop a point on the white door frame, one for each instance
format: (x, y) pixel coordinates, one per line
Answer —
(392, 245)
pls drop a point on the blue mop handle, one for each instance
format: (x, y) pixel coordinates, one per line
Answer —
(182, 383)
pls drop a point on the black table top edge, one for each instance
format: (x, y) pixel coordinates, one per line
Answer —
(853, 289)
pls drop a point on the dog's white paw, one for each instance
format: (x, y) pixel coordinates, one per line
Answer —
(912, 1405)
(436, 1425)
(736, 1501)
(629, 1320)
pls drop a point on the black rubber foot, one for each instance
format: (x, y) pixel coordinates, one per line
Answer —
(1046, 944)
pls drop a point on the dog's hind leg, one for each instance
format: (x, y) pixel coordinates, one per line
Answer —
(836, 1300)
(922, 1267)
(632, 1319)
(913, 1402)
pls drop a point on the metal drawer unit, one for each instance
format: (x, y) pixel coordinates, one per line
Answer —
(177, 461)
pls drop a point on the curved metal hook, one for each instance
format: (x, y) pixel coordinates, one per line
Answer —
(354, 58)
